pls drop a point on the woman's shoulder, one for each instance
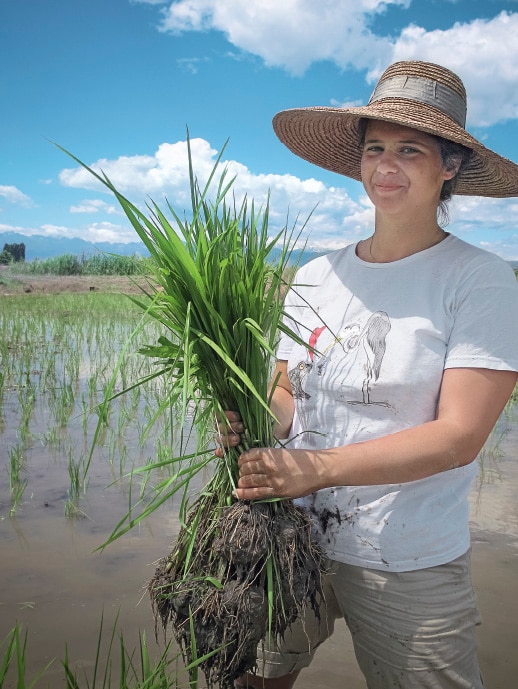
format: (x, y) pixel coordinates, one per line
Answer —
(470, 259)
(327, 261)
(477, 254)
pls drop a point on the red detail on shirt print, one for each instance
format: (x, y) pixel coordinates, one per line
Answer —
(313, 339)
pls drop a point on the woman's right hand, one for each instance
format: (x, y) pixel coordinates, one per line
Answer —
(228, 432)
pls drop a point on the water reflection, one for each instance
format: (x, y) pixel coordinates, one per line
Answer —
(56, 362)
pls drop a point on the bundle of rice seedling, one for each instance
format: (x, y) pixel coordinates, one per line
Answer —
(239, 572)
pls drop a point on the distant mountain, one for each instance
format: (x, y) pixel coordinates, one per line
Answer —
(38, 246)
(300, 257)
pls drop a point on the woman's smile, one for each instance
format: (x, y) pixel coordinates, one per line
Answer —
(387, 186)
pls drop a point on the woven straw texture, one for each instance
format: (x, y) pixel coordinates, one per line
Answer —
(330, 138)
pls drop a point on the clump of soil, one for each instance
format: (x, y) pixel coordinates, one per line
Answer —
(219, 590)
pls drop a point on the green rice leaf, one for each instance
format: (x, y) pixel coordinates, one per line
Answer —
(215, 290)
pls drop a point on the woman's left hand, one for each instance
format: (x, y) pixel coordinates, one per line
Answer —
(279, 473)
(228, 432)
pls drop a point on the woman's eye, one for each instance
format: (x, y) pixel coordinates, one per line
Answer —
(372, 148)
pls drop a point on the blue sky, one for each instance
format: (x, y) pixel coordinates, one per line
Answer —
(116, 82)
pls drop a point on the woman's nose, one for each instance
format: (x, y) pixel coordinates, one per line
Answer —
(387, 162)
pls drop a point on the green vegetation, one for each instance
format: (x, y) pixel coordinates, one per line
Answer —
(57, 358)
(216, 293)
(57, 355)
(15, 654)
(98, 264)
(12, 253)
(17, 481)
(124, 668)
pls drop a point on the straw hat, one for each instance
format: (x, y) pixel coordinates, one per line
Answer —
(415, 94)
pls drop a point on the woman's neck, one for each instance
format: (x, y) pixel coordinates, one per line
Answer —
(394, 240)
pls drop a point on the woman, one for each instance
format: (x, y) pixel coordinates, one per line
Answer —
(411, 356)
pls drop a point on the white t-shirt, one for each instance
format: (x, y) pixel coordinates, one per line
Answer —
(383, 333)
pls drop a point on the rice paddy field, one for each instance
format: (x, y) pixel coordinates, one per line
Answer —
(71, 610)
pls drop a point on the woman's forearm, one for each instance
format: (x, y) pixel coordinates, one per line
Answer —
(406, 456)
(470, 403)
(282, 403)
(409, 455)
(283, 408)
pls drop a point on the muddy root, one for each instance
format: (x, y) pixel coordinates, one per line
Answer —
(218, 587)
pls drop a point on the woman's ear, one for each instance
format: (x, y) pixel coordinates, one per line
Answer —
(452, 167)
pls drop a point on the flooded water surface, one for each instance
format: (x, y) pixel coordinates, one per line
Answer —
(59, 504)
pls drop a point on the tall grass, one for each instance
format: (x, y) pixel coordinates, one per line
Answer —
(115, 665)
(14, 660)
(17, 476)
(83, 264)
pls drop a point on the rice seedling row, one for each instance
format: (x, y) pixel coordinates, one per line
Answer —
(115, 664)
(57, 357)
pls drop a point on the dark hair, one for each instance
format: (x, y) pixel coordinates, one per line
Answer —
(454, 157)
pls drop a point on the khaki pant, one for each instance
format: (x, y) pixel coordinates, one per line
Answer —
(411, 630)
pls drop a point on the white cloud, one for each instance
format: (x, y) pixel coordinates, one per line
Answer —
(95, 232)
(49, 230)
(507, 249)
(291, 34)
(484, 55)
(44, 230)
(346, 104)
(191, 64)
(297, 33)
(14, 195)
(148, 2)
(94, 206)
(154, 174)
(165, 174)
(337, 216)
(489, 223)
(108, 232)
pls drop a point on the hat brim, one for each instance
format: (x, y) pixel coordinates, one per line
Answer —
(330, 138)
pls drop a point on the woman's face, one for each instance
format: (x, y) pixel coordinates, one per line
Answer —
(402, 169)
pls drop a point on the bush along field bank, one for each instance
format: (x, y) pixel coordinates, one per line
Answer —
(72, 264)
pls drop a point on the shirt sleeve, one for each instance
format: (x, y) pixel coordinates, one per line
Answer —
(485, 329)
